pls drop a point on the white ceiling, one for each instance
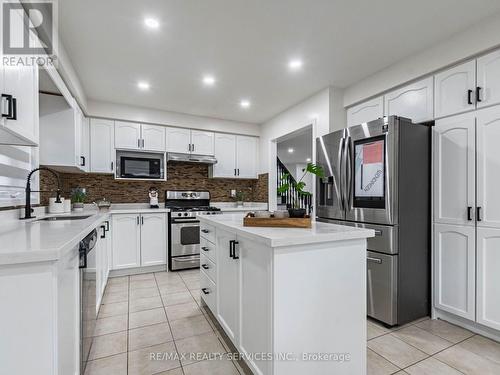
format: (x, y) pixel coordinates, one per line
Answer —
(247, 44)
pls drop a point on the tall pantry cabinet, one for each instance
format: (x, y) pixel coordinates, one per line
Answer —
(467, 216)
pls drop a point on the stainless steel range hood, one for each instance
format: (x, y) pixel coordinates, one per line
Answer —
(191, 158)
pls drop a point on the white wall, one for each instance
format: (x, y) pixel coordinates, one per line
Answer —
(477, 39)
(153, 116)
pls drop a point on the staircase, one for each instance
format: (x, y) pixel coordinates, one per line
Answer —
(286, 200)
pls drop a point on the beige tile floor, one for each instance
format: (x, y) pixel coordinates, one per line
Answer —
(154, 314)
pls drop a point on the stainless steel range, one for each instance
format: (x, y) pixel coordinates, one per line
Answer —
(184, 226)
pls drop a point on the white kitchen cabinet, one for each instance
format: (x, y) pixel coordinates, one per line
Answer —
(247, 156)
(153, 239)
(202, 143)
(178, 140)
(127, 135)
(488, 277)
(367, 111)
(225, 153)
(85, 143)
(488, 79)
(228, 293)
(102, 146)
(454, 169)
(455, 90)
(103, 260)
(455, 269)
(488, 162)
(414, 101)
(153, 137)
(126, 241)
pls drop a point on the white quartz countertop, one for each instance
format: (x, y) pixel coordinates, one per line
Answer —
(278, 237)
(41, 241)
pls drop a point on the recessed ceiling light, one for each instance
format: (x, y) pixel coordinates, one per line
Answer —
(245, 103)
(295, 64)
(290, 150)
(308, 160)
(209, 80)
(143, 85)
(152, 23)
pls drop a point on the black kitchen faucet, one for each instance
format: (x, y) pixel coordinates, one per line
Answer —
(27, 208)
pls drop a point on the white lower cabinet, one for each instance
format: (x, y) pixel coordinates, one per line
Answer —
(103, 260)
(153, 239)
(454, 267)
(139, 240)
(488, 277)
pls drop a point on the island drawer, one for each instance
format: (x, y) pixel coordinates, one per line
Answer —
(207, 248)
(208, 291)
(207, 232)
(208, 267)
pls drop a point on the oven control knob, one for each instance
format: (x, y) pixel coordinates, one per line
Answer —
(185, 214)
(179, 214)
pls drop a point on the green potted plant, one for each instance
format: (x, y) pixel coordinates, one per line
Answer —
(78, 196)
(295, 210)
(239, 197)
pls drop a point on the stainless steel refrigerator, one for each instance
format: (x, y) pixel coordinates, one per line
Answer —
(377, 175)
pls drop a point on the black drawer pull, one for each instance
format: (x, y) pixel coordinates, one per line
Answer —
(469, 213)
(205, 248)
(205, 290)
(469, 97)
(478, 94)
(478, 214)
(205, 230)
(204, 266)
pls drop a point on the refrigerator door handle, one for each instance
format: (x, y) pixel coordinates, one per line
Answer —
(341, 164)
(348, 162)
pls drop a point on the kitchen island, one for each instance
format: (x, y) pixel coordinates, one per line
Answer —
(292, 301)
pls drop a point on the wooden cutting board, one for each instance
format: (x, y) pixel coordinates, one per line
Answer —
(277, 222)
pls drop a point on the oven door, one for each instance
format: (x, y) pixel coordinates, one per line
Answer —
(185, 237)
(371, 155)
(141, 167)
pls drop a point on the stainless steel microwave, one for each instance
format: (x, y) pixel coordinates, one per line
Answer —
(140, 165)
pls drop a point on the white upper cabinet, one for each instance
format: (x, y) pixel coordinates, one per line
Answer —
(202, 143)
(153, 137)
(153, 239)
(454, 169)
(454, 269)
(127, 135)
(85, 143)
(102, 146)
(225, 153)
(488, 277)
(488, 167)
(415, 101)
(488, 80)
(247, 156)
(366, 111)
(126, 241)
(455, 90)
(178, 140)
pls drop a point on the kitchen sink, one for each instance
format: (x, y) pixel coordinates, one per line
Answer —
(63, 218)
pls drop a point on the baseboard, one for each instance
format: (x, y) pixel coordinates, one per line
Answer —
(137, 270)
(467, 324)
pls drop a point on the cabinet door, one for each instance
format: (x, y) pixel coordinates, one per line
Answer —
(127, 135)
(153, 239)
(366, 111)
(202, 143)
(102, 146)
(178, 140)
(225, 153)
(454, 169)
(228, 298)
(153, 138)
(415, 101)
(22, 83)
(77, 119)
(454, 269)
(488, 162)
(85, 144)
(453, 88)
(488, 277)
(488, 82)
(126, 241)
(247, 156)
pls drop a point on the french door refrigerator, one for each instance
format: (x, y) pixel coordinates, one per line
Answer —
(377, 176)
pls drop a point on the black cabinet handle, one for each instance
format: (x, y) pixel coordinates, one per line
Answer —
(478, 94)
(83, 255)
(103, 235)
(205, 290)
(82, 159)
(9, 98)
(469, 213)
(14, 110)
(205, 248)
(142, 220)
(234, 250)
(238, 171)
(478, 213)
(137, 220)
(107, 226)
(469, 97)
(205, 230)
(112, 164)
(235, 172)
(231, 248)
(204, 266)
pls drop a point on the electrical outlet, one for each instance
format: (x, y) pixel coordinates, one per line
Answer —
(233, 193)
